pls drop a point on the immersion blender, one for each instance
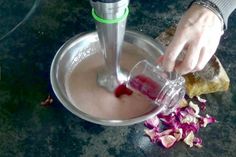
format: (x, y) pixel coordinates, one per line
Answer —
(110, 17)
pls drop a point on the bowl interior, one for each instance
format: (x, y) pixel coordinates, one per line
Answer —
(81, 47)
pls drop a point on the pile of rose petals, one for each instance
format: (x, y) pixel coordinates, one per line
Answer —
(181, 125)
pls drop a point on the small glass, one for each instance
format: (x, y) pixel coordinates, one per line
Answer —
(165, 89)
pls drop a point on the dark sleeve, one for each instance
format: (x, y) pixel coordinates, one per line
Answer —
(226, 7)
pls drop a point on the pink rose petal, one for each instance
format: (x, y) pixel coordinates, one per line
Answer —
(187, 128)
(190, 110)
(197, 142)
(167, 119)
(152, 135)
(152, 123)
(204, 121)
(167, 141)
(189, 139)
(189, 119)
(178, 134)
(202, 103)
(170, 120)
(194, 107)
(165, 132)
(201, 99)
(182, 124)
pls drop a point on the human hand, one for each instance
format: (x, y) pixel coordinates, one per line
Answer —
(197, 36)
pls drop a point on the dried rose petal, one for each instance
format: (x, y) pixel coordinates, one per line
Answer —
(152, 135)
(189, 119)
(183, 112)
(204, 121)
(155, 136)
(170, 120)
(187, 128)
(152, 123)
(201, 99)
(195, 107)
(202, 103)
(189, 139)
(180, 114)
(190, 111)
(183, 103)
(178, 134)
(197, 142)
(165, 132)
(182, 124)
(47, 102)
(187, 115)
(167, 141)
(167, 119)
(203, 107)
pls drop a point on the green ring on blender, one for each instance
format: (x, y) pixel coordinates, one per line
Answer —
(110, 21)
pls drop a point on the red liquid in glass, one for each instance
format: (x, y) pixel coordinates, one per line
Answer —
(141, 83)
(146, 86)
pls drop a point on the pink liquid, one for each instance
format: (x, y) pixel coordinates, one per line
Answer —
(87, 96)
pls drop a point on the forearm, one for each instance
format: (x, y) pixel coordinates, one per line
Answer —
(226, 7)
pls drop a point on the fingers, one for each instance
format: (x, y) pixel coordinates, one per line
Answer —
(191, 57)
(198, 31)
(203, 59)
(197, 53)
(205, 56)
(172, 52)
(195, 57)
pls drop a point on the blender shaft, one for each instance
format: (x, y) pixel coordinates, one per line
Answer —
(111, 16)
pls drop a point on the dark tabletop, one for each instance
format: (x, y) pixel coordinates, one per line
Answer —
(28, 128)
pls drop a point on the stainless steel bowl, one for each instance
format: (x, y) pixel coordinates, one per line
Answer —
(80, 47)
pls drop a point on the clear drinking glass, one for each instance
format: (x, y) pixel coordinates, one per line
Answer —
(165, 89)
